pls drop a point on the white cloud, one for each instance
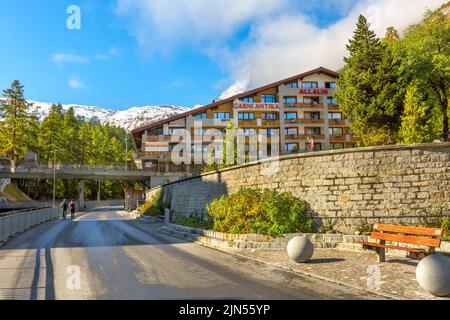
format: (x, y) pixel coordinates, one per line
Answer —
(61, 58)
(76, 83)
(160, 25)
(283, 39)
(64, 58)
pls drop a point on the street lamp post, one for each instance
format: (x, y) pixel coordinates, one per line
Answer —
(126, 150)
(54, 177)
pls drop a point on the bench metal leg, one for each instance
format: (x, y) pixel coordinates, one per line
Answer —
(381, 254)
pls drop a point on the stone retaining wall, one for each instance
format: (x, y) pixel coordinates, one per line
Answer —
(254, 241)
(407, 184)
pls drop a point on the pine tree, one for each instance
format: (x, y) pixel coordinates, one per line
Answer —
(419, 117)
(72, 126)
(367, 89)
(18, 127)
(51, 135)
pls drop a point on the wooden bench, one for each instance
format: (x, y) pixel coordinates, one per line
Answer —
(428, 237)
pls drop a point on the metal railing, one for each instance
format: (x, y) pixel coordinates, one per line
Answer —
(10, 224)
(3, 183)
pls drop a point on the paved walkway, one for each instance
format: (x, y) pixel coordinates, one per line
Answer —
(397, 276)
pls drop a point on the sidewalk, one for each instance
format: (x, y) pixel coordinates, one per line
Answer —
(355, 269)
(397, 275)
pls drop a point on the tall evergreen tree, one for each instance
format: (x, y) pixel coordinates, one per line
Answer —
(367, 88)
(18, 125)
(51, 135)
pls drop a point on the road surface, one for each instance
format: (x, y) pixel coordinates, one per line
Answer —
(102, 255)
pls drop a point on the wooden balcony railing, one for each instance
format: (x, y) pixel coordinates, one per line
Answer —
(303, 105)
(336, 122)
(311, 121)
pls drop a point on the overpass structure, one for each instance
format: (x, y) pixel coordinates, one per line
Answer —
(85, 172)
(88, 172)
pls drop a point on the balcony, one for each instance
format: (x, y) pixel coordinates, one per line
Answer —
(333, 107)
(270, 122)
(152, 154)
(311, 121)
(338, 138)
(304, 105)
(304, 136)
(247, 122)
(336, 122)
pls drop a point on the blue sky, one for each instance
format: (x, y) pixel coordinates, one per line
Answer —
(151, 52)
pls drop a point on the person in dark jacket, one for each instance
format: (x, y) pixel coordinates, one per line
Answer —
(72, 208)
(64, 207)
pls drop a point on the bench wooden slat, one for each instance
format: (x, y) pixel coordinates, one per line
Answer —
(434, 232)
(429, 242)
(373, 244)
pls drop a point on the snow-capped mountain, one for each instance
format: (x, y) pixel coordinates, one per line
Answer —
(128, 119)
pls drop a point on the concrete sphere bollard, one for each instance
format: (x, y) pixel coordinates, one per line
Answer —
(433, 274)
(300, 249)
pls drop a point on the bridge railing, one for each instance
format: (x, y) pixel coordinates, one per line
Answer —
(46, 166)
(21, 221)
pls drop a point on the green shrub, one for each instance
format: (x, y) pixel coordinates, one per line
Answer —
(261, 212)
(446, 226)
(194, 220)
(155, 206)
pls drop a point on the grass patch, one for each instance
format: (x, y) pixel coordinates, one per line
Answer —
(12, 191)
(192, 221)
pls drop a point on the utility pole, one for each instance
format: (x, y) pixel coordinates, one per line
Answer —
(54, 177)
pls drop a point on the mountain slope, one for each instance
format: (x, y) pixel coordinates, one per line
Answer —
(126, 119)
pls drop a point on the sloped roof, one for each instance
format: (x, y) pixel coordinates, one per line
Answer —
(156, 124)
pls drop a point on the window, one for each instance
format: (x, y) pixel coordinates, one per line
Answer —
(246, 116)
(317, 146)
(291, 147)
(269, 116)
(290, 115)
(331, 100)
(330, 85)
(312, 131)
(221, 115)
(335, 131)
(267, 98)
(201, 115)
(334, 115)
(310, 84)
(312, 115)
(248, 132)
(311, 100)
(291, 131)
(289, 100)
(247, 99)
(292, 85)
(272, 132)
(352, 145)
(336, 146)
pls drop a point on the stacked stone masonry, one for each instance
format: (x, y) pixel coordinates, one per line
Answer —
(347, 189)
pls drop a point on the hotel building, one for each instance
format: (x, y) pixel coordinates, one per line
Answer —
(292, 111)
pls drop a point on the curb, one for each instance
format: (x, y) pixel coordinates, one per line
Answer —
(382, 294)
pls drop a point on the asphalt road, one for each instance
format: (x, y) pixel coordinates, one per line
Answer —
(102, 255)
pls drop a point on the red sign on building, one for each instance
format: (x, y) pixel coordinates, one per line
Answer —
(314, 91)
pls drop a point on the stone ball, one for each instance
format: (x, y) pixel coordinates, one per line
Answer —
(300, 249)
(433, 274)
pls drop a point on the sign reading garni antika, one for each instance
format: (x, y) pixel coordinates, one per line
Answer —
(153, 146)
(238, 105)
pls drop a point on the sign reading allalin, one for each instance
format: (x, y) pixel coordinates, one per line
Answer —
(313, 91)
(178, 123)
(152, 146)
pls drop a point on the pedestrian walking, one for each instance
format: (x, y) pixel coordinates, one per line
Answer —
(72, 207)
(64, 205)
